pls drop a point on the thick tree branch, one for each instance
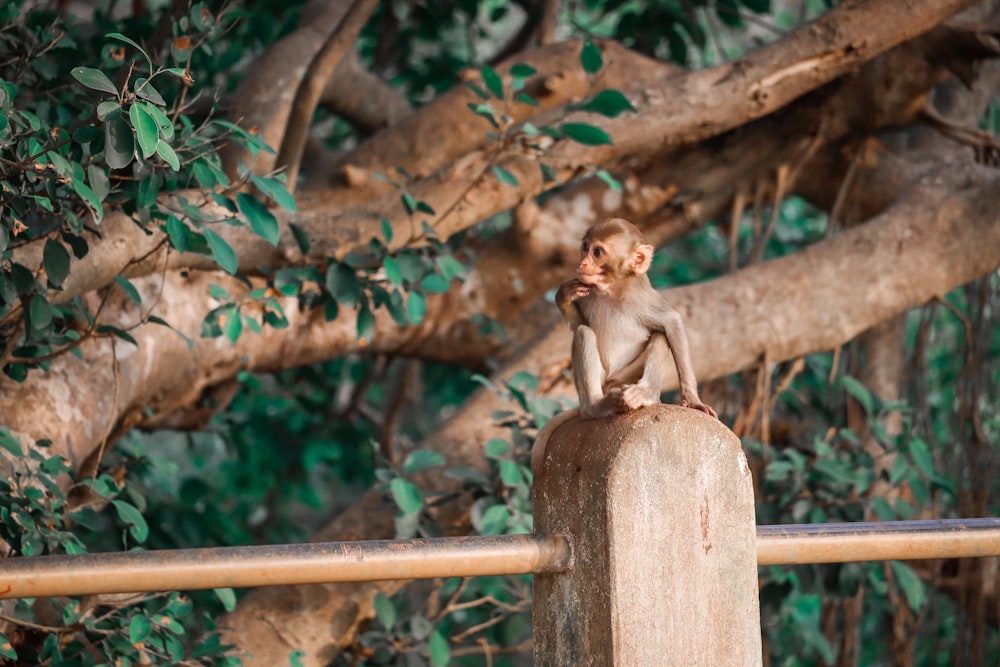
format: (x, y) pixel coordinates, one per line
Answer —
(361, 98)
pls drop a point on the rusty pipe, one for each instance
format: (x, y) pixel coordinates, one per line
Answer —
(799, 544)
(273, 565)
(326, 562)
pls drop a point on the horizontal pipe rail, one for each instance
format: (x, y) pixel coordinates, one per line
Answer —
(800, 544)
(273, 565)
(375, 560)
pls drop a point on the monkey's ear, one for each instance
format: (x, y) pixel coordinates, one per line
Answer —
(641, 258)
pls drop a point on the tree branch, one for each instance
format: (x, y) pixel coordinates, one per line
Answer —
(313, 83)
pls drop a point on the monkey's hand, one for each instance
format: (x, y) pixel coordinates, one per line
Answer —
(566, 296)
(696, 404)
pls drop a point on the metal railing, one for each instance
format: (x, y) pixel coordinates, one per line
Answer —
(374, 560)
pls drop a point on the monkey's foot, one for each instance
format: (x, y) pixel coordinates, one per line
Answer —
(698, 405)
(635, 396)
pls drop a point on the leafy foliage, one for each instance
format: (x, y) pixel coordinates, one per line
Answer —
(449, 616)
(97, 122)
(37, 518)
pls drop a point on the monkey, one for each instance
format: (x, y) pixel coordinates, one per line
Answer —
(622, 329)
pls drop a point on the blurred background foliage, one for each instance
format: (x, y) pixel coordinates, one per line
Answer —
(293, 448)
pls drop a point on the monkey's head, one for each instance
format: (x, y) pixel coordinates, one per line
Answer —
(611, 250)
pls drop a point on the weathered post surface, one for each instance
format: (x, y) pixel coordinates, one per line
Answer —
(659, 509)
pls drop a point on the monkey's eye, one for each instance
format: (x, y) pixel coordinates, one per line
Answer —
(585, 247)
(598, 251)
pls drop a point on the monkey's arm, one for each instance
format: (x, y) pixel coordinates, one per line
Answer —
(672, 325)
(566, 297)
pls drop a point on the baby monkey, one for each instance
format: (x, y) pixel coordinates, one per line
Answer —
(622, 326)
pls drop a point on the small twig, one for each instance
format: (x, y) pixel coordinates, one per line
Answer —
(779, 195)
(54, 629)
(739, 205)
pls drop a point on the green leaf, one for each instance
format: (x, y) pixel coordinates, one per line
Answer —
(295, 658)
(89, 198)
(204, 173)
(106, 108)
(97, 177)
(504, 176)
(163, 323)
(912, 585)
(482, 94)
(434, 283)
(54, 465)
(524, 98)
(385, 610)
(392, 272)
(494, 520)
(922, 457)
(522, 70)
(590, 57)
(10, 443)
(6, 648)
(342, 283)
(421, 459)
(117, 333)
(301, 238)
(122, 38)
(40, 312)
(166, 151)
(164, 125)
(94, 78)
(510, 473)
(406, 495)
(227, 596)
(139, 628)
(416, 307)
(492, 81)
(119, 142)
(146, 91)
(221, 251)
(860, 392)
(132, 516)
(262, 221)
(585, 134)
(449, 267)
(610, 180)
(610, 103)
(438, 647)
(146, 131)
(497, 448)
(882, 509)
(386, 230)
(180, 235)
(56, 262)
(232, 324)
(130, 291)
(409, 202)
(276, 190)
(366, 322)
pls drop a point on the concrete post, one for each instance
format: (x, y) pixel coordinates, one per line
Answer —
(658, 506)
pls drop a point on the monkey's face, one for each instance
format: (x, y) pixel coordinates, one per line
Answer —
(598, 266)
(593, 264)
